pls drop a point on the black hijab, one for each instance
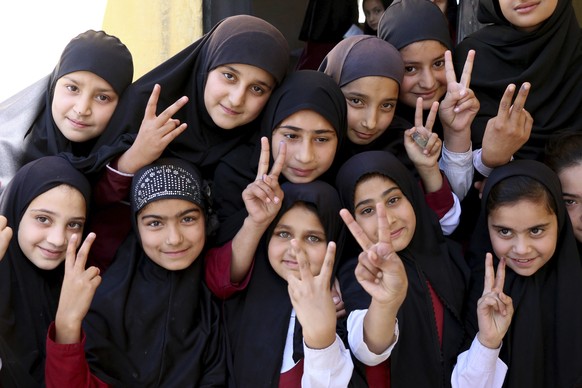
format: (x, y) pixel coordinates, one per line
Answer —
(96, 52)
(550, 58)
(350, 60)
(543, 346)
(301, 90)
(418, 360)
(149, 326)
(258, 318)
(29, 295)
(238, 39)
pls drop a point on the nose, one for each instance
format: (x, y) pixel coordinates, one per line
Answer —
(370, 119)
(427, 80)
(174, 236)
(57, 237)
(305, 152)
(521, 245)
(237, 95)
(83, 106)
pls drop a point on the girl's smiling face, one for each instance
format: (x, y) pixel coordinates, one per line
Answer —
(82, 106)
(311, 143)
(399, 211)
(236, 93)
(48, 223)
(172, 232)
(371, 104)
(525, 233)
(424, 73)
(527, 15)
(303, 225)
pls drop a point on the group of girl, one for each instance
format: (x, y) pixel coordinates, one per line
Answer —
(223, 221)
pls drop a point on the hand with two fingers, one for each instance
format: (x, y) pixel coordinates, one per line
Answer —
(155, 134)
(494, 308)
(77, 291)
(381, 274)
(507, 132)
(459, 107)
(5, 236)
(263, 197)
(311, 298)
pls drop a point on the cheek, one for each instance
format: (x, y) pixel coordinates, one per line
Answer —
(255, 105)
(370, 227)
(316, 256)
(353, 117)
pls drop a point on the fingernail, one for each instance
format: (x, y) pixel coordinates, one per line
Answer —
(276, 199)
(336, 300)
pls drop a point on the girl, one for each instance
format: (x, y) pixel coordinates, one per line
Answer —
(564, 156)
(227, 76)
(430, 316)
(373, 10)
(69, 110)
(151, 322)
(523, 222)
(308, 114)
(282, 327)
(429, 76)
(371, 92)
(45, 205)
(522, 44)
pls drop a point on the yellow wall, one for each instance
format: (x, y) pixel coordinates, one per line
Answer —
(153, 30)
(578, 8)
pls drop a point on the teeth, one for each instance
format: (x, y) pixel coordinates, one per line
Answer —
(523, 260)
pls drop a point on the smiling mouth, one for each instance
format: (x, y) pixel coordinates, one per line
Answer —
(300, 172)
(229, 111)
(78, 124)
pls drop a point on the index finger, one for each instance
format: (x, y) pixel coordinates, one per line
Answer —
(304, 268)
(489, 275)
(468, 69)
(500, 276)
(449, 68)
(383, 228)
(327, 267)
(263, 159)
(418, 113)
(81, 257)
(152, 105)
(280, 161)
(505, 103)
(355, 229)
(522, 94)
(172, 109)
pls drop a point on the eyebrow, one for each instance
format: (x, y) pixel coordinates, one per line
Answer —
(571, 195)
(529, 227)
(370, 200)
(76, 82)
(311, 231)
(53, 213)
(298, 129)
(258, 81)
(178, 215)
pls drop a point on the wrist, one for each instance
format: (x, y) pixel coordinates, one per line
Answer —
(490, 343)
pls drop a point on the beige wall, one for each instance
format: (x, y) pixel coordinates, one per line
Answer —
(578, 8)
(153, 30)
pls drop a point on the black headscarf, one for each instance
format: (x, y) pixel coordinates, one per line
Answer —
(238, 39)
(301, 90)
(418, 359)
(96, 52)
(550, 58)
(258, 318)
(29, 295)
(348, 61)
(148, 326)
(543, 346)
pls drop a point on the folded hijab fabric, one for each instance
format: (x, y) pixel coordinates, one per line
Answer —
(29, 295)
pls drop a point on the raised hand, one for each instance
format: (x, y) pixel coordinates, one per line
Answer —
(422, 145)
(460, 105)
(507, 132)
(5, 236)
(380, 270)
(79, 286)
(494, 308)
(155, 134)
(311, 298)
(263, 196)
